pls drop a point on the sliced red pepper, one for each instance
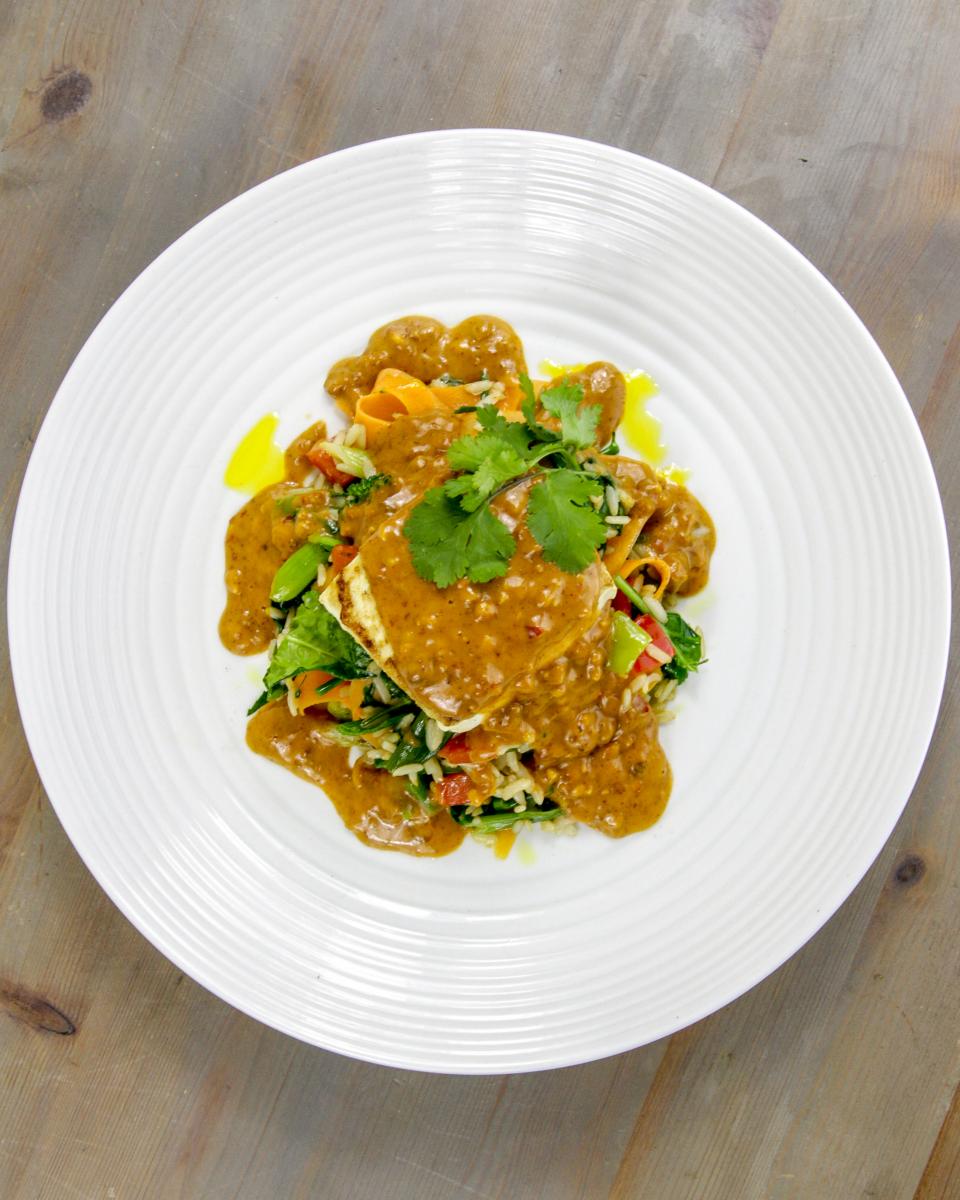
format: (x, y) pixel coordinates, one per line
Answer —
(324, 461)
(454, 789)
(622, 604)
(457, 750)
(341, 555)
(646, 664)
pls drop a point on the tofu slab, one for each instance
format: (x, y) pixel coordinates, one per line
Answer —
(459, 652)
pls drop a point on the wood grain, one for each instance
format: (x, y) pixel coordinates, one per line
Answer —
(120, 126)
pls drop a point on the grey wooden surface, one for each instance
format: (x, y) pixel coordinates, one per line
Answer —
(121, 124)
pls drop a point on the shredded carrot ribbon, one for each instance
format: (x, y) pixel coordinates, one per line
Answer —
(659, 565)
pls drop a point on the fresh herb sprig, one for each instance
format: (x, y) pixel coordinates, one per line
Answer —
(360, 489)
(454, 534)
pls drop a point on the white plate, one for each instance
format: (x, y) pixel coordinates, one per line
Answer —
(795, 749)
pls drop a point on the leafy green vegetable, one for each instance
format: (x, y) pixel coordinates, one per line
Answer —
(412, 747)
(687, 645)
(360, 489)
(298, 572)
(500, 453)
(265, 697)
(385, 718)
(536, 431)
(447, 543)
(495, 817)
(529, 405)
(512, 433)
(315, 641)
(417, 788)
(564, 522)
(496, 466)
(578, 426)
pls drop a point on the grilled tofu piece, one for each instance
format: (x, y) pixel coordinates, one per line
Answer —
(459, 652)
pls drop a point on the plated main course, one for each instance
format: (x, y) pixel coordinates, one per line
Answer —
(467, 596)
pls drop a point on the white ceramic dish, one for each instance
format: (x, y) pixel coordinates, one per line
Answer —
(794, 752)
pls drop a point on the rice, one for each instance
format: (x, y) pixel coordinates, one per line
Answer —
(656, 608)
(612, 498)
(407, 770)
(433, 735)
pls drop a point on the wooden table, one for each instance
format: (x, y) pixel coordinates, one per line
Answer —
(837, 121)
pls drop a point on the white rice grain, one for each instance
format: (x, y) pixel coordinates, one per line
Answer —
(656, 608)
(433, 735)
(407, 770)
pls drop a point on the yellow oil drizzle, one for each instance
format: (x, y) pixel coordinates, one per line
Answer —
(526, 855)
(555, 369)
(675, 474)
(641, 429)
(257, 461)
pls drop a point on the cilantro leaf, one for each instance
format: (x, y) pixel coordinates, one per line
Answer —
(529, 405)
(470, 453)
(578, 426)
(315, 641)
(687, 645)
(564, 522)
(447, 543)
(360, 489)
(538, 432)
(499, 467)
(498, 453)
(511, 433)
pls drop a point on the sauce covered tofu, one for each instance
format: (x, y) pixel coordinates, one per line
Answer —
(458, 652)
